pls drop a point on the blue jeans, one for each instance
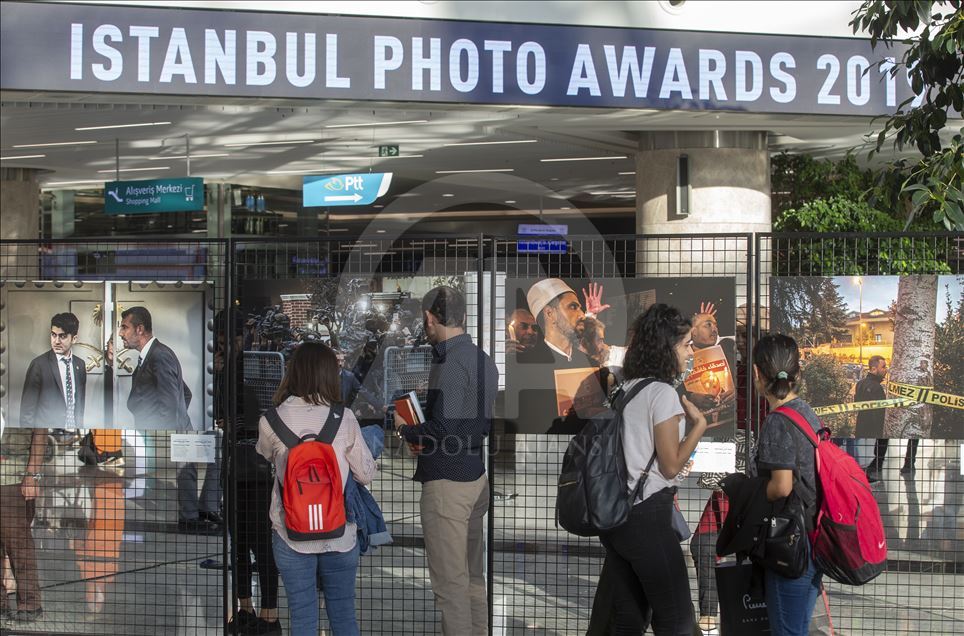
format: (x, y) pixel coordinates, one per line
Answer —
(302, 574)
(790, 601)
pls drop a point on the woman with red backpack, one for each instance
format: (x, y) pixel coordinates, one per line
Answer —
(313, 443)
(785, 457)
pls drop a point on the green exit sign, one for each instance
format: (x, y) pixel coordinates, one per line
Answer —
(150, 196)
(388, 151)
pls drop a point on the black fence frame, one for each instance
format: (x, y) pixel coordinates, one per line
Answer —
(761, 256)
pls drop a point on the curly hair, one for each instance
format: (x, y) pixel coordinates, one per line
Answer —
(652, 339)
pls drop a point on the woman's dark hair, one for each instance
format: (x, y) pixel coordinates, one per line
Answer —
(312, 375)
(777, 359)
(652, 340)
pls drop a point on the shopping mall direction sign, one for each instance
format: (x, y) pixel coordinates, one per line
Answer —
(345, 189)
(154, 195)
(88, 48)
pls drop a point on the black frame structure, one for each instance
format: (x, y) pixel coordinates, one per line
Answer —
(540, 579)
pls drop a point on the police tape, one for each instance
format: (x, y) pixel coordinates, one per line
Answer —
(853, 407)
(925, 395)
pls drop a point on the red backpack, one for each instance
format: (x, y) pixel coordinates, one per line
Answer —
(848, 538)
(312, 491)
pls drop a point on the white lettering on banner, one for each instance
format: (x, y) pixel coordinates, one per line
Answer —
(886, 68)
(583, 73)
(143, 35)
(675, 78)
(498, 48)
(724, 78)
(291, 60)
(384, 64)
(177, 48)
(261, 47)
(858, 80)
(712, 75)
(76, 51)
(331, 64)
(432, 64)
(101, 34)
(743, 92)
(789, 93)
(832, 64)
(628, 69)
(218, 57)
(472, 66)
(538, 54)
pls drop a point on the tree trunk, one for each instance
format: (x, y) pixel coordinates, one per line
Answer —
(913, 362)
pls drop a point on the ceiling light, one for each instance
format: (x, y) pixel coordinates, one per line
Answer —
(150, 123)
(492, 143)
(22, 157)
(380, 231)
(448, 195)
(396, 157)
(565, 207)
(379, 123)
(218, 154)
(585, 158)
(510, 201)
(151, 169)
(470, 171)
(338, 229)
(625, 173)
(614, 194)
(271, 143)
(61, 183)
(56, 143)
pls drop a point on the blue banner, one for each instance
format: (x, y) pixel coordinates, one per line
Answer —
(345, 189)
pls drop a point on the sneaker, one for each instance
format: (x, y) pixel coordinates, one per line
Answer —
(114, 460)
(908, 469)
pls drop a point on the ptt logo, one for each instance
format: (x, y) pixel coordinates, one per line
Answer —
(335, 184)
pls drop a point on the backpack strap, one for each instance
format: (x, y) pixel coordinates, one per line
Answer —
(800, 422)
(330, 429)
(290, 440)
(285, 434)
(622, 397)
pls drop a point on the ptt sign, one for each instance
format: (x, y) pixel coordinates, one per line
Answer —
(345, 189)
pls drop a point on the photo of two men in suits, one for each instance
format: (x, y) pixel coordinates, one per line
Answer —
(54, 396)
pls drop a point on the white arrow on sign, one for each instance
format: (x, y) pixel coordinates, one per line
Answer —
(352, 197)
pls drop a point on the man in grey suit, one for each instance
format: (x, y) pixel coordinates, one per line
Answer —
(53, 397)
(159, 400)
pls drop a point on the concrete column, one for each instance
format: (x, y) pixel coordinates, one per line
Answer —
(19, 219)
(62, 214)
(729, 177)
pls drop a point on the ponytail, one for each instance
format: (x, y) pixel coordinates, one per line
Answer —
(777, 359)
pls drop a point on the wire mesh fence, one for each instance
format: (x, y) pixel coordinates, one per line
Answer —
(918, 483)
(121, 535)
(118, 543)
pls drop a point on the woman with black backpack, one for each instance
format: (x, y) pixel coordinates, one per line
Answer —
(643, 556)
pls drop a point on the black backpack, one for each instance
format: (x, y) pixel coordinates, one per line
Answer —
(592, 495)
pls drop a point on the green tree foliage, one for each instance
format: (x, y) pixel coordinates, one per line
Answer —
(825, 381)
(812, 310)
(949, 366)
(933, 33)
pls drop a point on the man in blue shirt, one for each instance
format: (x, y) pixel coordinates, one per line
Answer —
(462, 387)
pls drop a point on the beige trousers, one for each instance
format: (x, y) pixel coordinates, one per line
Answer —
(452, 516)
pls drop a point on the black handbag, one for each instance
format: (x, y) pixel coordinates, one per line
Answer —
(786, 548)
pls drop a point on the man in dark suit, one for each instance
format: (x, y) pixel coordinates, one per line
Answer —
(53, 397)
(159, 399)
